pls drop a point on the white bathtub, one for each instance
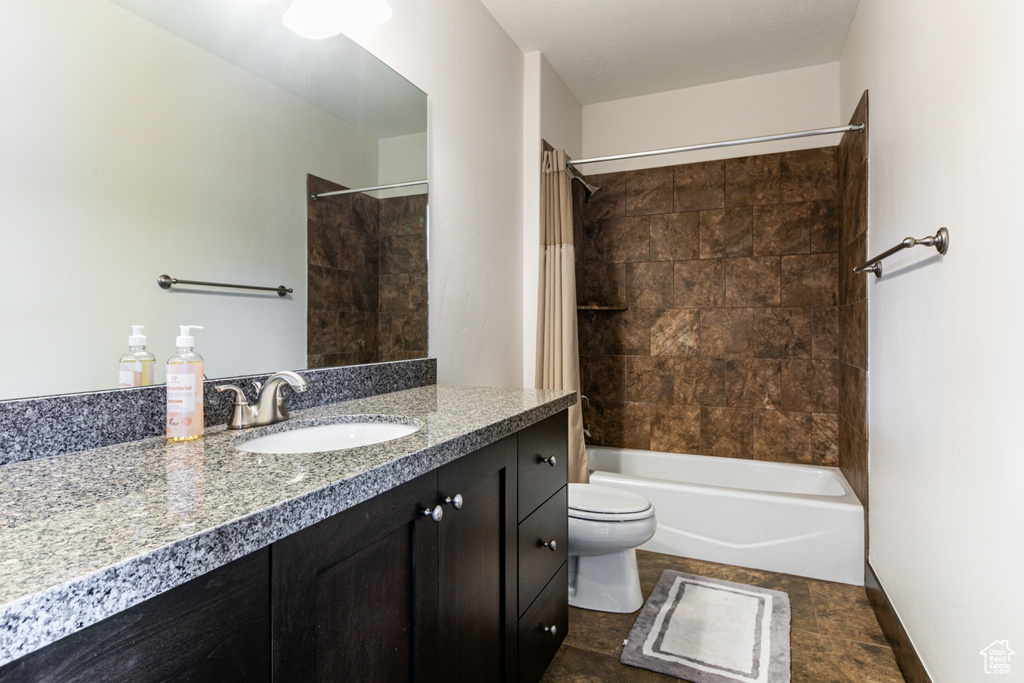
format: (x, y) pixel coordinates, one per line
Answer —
(796, 519)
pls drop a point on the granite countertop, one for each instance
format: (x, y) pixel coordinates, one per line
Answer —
(87, 535)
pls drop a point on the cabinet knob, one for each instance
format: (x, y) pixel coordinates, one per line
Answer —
(550, 460)
(550, 545)
(551, 630)
(435, 513)
(455, 501)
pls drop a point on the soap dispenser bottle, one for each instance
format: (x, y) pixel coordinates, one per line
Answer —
(185, 389)
(138, 365)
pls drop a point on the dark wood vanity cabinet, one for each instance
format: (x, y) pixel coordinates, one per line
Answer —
(380, 592)
(383, 592)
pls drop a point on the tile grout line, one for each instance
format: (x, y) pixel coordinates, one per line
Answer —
(814, 607)
(859, 642)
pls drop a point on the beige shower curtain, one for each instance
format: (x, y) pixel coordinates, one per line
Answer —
(558, 356)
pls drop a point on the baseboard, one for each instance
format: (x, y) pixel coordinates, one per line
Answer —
(906, 656)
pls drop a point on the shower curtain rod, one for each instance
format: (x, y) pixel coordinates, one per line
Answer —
(392, 186)
(714, 145)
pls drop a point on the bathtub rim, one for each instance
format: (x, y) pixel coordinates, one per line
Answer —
(848, 499)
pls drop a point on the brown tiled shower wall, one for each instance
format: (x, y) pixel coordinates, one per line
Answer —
(402, 303)
(729, 271)
(853, 305)
(367, 277)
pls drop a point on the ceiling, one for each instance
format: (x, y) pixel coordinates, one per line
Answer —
(611, 49)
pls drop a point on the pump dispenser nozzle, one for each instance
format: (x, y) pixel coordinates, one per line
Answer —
(137, 338)
(186, 340)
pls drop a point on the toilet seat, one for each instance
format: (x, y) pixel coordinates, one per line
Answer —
(605, 504)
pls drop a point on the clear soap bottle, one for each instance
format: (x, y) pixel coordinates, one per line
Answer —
(138, 365)
(185, 389)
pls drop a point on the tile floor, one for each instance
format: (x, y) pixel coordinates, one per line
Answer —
(834, 637)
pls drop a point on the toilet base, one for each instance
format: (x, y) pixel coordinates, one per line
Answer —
(605, 583)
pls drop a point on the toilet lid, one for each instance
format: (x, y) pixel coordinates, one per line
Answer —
(604, 503)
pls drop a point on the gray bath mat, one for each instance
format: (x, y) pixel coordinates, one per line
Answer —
(711, 631)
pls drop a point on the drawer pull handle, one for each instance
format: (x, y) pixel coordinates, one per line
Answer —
(455, 501)
(435, 514)
(550, 545)
(551, 630)
(550, 460)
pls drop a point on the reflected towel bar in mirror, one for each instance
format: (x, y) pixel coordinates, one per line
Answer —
(939, 240)
(166, 281)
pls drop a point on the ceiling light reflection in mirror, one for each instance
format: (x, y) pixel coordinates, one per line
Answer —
(319, 19)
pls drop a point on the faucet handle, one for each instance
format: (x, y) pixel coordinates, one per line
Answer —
(242, 414)
(258, 386)
(240, 398)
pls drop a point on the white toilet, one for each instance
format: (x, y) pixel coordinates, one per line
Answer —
(605, 527)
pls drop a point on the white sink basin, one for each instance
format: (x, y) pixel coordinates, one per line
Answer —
(329, 437)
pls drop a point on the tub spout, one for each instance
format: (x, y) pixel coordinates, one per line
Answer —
(586, 406)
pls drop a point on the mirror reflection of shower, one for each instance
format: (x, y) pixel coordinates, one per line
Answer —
(366, 272)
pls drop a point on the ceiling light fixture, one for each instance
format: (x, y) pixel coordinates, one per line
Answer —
(318, 19)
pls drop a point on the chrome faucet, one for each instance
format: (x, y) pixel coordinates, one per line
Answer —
(269, 406)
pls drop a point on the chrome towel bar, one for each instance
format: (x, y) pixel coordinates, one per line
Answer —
(940, 241)
(166, 281)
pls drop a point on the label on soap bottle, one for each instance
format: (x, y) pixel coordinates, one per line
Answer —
(184, 402)
(127, 374)
(136, 374)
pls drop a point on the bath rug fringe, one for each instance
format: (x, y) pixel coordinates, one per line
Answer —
(712, 631)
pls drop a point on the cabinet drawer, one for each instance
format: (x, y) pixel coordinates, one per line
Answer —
(537, 478)
(537, 562)
(537, 646)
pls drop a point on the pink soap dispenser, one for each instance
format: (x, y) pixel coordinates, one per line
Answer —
(185, 389)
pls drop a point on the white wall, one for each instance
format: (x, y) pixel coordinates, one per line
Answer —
(473, 74)
(550, 112)
(781, 102)
(88, 219)
(532, 69)
(561, 122)
(946, 148)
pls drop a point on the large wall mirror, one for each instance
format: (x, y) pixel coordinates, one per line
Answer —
(185, 137)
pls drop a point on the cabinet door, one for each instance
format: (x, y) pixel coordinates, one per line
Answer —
(213, 628)
(355, 596)
(477, 564)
